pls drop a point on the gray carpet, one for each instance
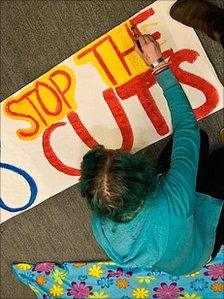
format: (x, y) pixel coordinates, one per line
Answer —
(37, 35)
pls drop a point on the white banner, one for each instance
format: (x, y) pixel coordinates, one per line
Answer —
(102, 94)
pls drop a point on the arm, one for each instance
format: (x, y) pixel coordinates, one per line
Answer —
(180, 180)
(181, 177)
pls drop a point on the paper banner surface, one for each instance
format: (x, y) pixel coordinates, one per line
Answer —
(103, 94)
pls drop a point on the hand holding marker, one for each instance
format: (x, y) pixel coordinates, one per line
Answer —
(149, 50)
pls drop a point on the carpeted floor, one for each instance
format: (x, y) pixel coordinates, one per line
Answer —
(35, 36)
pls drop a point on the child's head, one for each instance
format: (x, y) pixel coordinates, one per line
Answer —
(116, 183)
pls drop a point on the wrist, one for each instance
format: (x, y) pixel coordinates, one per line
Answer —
(157, 62)
(161, 67)
(161, 64)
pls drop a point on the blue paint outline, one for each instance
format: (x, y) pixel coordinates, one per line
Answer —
(30, 181)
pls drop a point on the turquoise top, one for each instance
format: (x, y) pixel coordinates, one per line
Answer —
(175, 229)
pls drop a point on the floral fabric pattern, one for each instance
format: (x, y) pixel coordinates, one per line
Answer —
(106, 280)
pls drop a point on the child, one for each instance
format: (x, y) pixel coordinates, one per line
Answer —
(142, 219)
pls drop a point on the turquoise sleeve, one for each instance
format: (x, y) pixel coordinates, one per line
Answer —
(181, 178)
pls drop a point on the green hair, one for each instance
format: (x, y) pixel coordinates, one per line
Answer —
(116, 183)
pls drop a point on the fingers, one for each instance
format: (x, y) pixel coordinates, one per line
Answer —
(145, 40)
(149, 37)
(150, 40)
(141, 54)
(142, 41)
(135, 32)
(147, 48)
(137, 49)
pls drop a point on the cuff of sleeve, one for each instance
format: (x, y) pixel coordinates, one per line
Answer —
(166, 79)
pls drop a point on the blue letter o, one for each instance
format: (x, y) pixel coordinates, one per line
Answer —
(30, 181)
